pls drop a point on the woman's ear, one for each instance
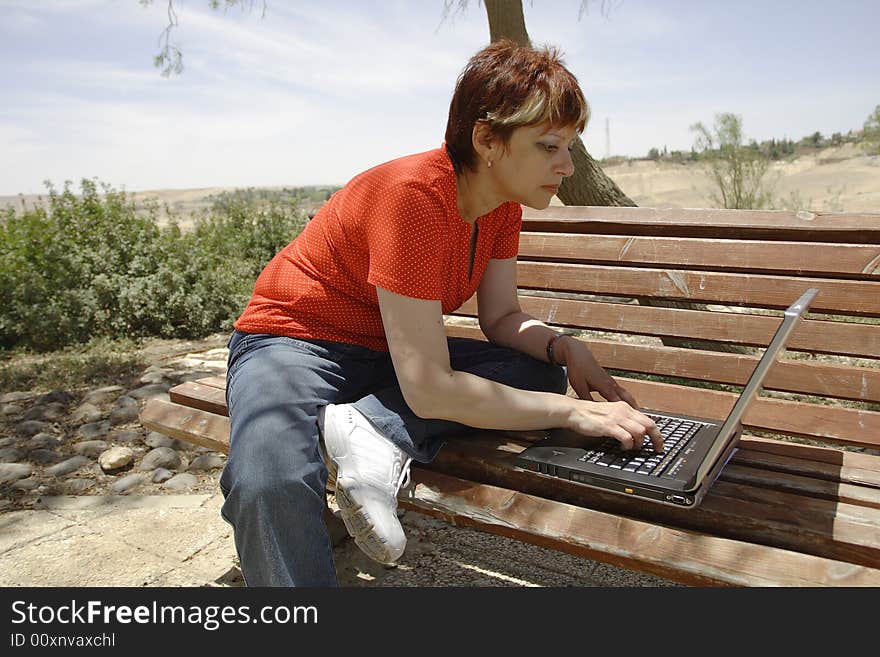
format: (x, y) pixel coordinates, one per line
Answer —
(484, 142)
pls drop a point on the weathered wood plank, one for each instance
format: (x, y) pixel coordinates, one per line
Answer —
(682, 555)
(857, 228)
(188, 424)
(819, 336)
(762, 290)
(816, 258)
(809, 378)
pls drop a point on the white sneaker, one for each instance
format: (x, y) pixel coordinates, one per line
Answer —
(369, 471)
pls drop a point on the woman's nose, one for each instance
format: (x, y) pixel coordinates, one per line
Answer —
(565, 166)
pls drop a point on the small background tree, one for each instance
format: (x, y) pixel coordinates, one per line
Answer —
(737, 171)
(872, 132)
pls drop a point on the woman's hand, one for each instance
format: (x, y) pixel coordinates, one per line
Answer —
(620, 417)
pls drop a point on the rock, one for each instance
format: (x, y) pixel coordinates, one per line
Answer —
(45, 456)
(128, 483)
(11, 454)
(156, 376)
(12, 397)
(207, 462)
(31, 428)
(26, 484)
(156, 439)
(150, 391)
(77, 486)
(103, 396)
(9, 441)
(123, 415)
(160, 457)
(66, 467)
(91, 448)
(8, 410)
(115, 458)
(86, 413)
(50, 412)
(56, 396)
(161, 474)
(14, 471)
(94, 430)
(181, 482)
(45, 441)
(126, 437)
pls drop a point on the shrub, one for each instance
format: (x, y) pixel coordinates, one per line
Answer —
(91, 266)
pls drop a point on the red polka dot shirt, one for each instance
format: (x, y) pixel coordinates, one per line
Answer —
(394, 226)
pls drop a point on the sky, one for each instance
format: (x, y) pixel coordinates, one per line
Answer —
(312, 93)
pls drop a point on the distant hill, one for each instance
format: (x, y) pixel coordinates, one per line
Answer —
(832, 179)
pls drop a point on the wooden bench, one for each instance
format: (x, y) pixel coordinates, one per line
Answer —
(798, 505)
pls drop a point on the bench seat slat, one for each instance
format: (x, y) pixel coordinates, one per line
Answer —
(686, 556)
(189, 424)
(813, 258)
(818, 336)
(777, 518)
(836, 297)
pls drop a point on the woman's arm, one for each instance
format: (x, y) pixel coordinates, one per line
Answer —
(432, 389)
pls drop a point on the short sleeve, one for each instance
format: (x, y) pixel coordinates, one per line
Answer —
(507, 243)
(407, 238)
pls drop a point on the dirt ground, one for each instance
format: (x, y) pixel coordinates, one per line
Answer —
(835, 179)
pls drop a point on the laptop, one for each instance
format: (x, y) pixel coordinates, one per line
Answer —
(695, 449)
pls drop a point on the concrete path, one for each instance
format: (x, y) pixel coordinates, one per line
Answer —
(181, 540)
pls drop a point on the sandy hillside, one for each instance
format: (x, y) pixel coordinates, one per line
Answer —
(837, 179)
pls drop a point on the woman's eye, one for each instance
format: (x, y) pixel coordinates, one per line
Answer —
(550, 148)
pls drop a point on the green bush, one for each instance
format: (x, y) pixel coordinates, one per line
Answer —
(91, 266)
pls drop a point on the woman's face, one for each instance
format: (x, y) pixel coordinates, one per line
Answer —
(536, 160)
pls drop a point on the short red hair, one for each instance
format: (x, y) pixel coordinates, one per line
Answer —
(510, 86)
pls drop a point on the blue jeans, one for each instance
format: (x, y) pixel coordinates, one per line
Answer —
(274, 479)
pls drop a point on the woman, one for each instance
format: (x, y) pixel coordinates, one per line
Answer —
(340, 365)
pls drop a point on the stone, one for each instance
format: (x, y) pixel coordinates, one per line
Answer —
(45, 441)
(115, 458)
(26, 484)
(156, 439)
(9, 441)
(91, 448)
(67, 466)
(128, 483)
(86, 413)
(154, 377)
(127, 437)
(103, 396)
(161, 474)
(94, 430)
(207, 462)
(11, 454)
(31, 428)
(77, 486)
(12, 397)
(50, 412)
(45, 456)
(160, 457)
(8, 410)
(181, 482)
(56, 396)
(14, 471)
(150, 391)
(123, 415)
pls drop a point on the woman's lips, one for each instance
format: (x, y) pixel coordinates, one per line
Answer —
(551, 188)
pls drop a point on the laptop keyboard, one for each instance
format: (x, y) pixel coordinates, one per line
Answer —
(676, 433)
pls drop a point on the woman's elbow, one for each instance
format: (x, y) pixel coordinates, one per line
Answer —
(425, 397)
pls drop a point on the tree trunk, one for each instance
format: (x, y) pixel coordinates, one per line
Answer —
(589, 185)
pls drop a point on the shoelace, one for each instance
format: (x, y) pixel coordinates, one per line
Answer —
(404, 478)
